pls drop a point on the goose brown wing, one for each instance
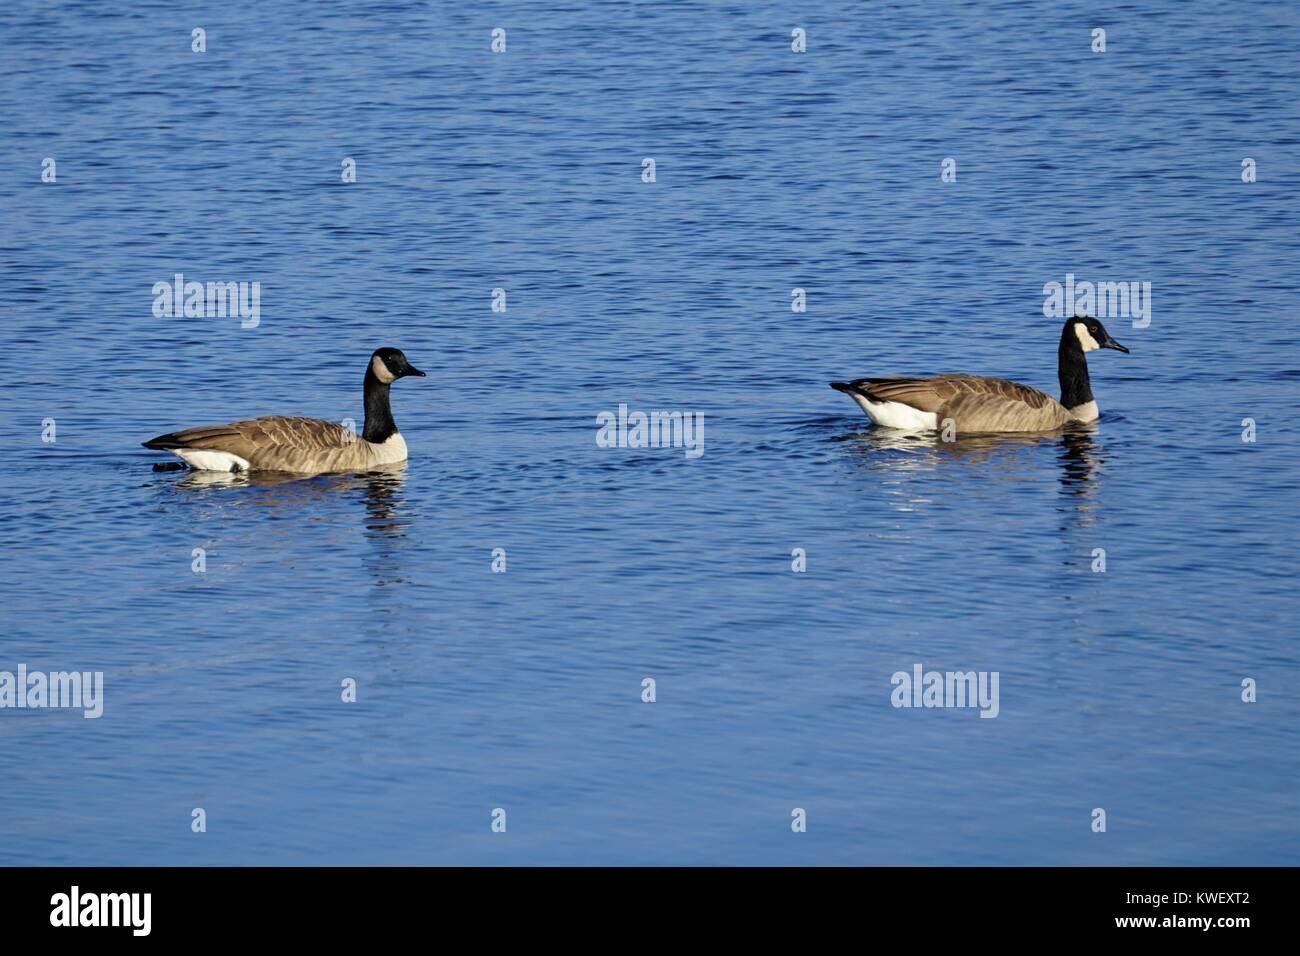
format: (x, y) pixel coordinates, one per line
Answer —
(973, 402)
(925, 394)
(257, 437)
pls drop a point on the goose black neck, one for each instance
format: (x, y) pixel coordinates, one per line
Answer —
(1072, 368)
(379, 414)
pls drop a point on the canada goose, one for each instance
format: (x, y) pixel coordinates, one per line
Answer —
(977, 404)
(304, 446)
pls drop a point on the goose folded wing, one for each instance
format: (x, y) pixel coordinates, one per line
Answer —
(995, 404)
(973, 402)
(931, 394)
(247, 438)
(925, 394)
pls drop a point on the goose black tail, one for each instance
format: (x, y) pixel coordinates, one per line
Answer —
(163, 442)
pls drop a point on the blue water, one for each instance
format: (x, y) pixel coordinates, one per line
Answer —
(522, 690)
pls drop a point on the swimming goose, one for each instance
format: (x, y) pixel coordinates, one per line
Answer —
(978, 404)
(304, 446)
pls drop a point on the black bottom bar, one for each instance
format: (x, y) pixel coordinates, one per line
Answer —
(376, 904)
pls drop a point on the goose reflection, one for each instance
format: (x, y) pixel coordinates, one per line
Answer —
(1080, 458)
(380, 487)
(997, 457)
(285, 496)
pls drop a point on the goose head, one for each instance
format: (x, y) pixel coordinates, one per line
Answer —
(388, 365)
(1090, 334)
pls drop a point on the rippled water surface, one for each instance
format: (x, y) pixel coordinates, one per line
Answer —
(774, 170)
